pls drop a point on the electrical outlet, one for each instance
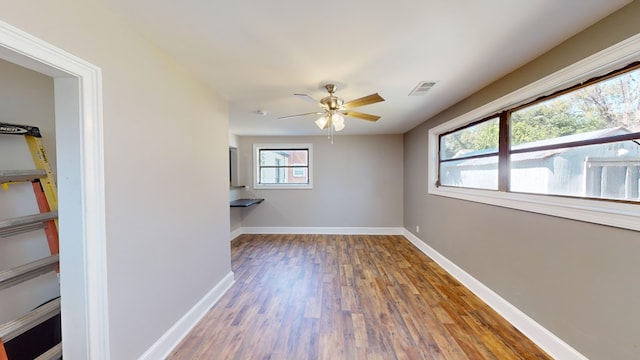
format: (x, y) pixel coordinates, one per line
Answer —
(418, 229)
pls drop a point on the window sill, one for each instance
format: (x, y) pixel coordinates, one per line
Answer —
(626, 216)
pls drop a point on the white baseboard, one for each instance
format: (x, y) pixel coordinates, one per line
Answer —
(544, 338)
(235, 233)
(167, 342)
(324, 230)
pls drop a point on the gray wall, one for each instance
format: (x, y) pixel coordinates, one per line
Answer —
(357, 183)
(236, 213)
(26, 97)
(165, 149)
(578, 280)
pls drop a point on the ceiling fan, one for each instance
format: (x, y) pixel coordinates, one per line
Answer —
(334, 109)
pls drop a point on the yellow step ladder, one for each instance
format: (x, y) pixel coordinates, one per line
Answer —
(45, 192)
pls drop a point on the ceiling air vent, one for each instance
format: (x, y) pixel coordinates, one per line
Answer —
(422, 88)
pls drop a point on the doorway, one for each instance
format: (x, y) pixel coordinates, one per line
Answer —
(78, 122)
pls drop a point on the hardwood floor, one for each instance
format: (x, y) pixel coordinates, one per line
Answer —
(347, 297)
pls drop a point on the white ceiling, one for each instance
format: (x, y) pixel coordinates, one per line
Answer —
(258, 53)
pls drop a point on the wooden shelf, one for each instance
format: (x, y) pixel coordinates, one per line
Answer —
(25, 223)
(27, 271)
(11, 329)
(21, 175)
(245, 202)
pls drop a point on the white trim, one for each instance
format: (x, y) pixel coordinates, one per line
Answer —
(549, 342)
(162, 348)
(601, 212)
(83, 284)
(324, 230)
(235, 233)
(287, 186)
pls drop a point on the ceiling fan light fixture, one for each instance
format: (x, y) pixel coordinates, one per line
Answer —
(338, 121)
(322, 122)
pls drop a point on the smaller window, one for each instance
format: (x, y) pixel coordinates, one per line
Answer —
(282, 166)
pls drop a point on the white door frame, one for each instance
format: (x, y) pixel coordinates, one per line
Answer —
(78, 121)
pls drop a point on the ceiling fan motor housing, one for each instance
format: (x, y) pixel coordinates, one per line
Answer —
(332, 102)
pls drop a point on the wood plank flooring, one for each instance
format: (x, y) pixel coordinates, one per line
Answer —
(347, 297)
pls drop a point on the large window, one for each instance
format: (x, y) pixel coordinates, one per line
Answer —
(582, 142)
(282, 166)
(572, 151)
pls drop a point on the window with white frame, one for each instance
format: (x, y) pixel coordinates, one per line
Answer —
(573, 152)
(282, 166)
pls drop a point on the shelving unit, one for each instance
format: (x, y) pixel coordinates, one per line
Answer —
(46, 197)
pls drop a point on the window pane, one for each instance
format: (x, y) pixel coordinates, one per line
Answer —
(478, 139)
(273, 175)
(283, 157)
(479, 173)
(606, 108)
(609, 171)
(299, 172)
(298, 175)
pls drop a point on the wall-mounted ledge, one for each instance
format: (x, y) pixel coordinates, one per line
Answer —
(245, 202)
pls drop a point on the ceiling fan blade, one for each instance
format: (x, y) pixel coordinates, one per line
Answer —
(370, 99)
(309, 99)
(360, 115)
(311, 113)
